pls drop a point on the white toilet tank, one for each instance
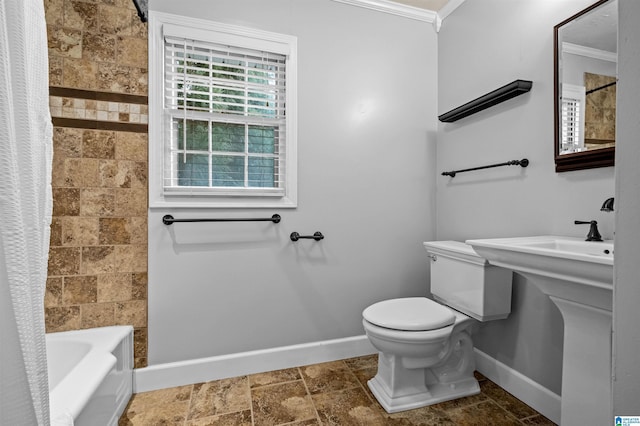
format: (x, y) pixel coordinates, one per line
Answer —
(467, 283)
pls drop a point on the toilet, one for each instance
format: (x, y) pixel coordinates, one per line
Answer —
(425, 348)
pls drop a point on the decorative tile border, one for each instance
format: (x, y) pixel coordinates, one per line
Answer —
(98, 110)
(100, 125)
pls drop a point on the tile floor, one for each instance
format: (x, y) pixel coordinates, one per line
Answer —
(332, 393)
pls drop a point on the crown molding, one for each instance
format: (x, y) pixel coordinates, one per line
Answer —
(589, 52)
(394, 8)
(446, 10)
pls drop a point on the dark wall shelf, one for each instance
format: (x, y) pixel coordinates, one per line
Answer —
(511, 90)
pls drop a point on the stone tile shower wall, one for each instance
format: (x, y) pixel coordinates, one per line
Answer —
(600, 111)
(98, 101)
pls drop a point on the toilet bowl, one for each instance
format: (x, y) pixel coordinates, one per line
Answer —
(424, 364)
(425, 348)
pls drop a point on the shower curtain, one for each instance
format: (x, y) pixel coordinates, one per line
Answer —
(25, 210)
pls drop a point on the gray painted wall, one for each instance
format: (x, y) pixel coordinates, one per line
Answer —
(366, 143)
(483, 45)
(575, 65)
(626, 293)
(223, 289)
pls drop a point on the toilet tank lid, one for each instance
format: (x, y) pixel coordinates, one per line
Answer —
(456, 250)
(410, 314)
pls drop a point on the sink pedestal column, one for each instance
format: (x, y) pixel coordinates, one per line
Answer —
(586, 358)
(578, 277)
(586, 364)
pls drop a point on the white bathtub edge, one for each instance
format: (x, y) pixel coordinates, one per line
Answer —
(69, 399)
(522, 387)
(224, 366)
(102, 338)
(71, 396)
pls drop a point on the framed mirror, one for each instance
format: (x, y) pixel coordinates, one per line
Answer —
(585, 49)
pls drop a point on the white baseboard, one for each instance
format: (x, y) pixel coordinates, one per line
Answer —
(224, 366)
(532, 393)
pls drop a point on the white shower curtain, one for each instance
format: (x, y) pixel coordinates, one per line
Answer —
(25, 211)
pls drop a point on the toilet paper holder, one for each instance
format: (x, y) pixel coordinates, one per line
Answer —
(316, 236)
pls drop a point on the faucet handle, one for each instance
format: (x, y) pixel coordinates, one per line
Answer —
(594, 234)
(607, 206)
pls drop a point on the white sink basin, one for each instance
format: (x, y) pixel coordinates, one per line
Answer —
(582, 270)
(578, 277)
(564, 247)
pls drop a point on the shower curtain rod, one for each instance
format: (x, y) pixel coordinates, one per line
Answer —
(613, 83)
(142, 6)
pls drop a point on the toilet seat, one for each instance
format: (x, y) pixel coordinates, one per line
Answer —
(409, 314)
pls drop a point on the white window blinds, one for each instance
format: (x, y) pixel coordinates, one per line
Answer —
(571, 138)
(225, 119)
(572, 118)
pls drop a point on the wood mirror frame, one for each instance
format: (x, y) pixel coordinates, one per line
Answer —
(590, 159)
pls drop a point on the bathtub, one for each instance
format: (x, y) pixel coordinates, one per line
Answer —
(90, 375)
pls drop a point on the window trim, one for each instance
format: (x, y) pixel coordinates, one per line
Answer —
(201, 29)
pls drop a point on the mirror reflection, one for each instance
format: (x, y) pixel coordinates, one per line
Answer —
(586, 74)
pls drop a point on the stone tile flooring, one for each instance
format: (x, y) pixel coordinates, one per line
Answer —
(332, 393)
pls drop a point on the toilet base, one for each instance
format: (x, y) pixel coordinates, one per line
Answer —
(405, 383)
(438, 392)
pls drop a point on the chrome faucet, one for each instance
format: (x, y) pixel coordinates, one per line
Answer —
(607, 206)
(593, 234)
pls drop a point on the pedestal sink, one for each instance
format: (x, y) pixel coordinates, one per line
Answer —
(578, 277)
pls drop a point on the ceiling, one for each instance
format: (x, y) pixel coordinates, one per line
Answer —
(434, 5)
(597, 29)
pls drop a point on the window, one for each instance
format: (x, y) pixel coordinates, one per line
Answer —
(570, 125)
(572, 118)
(222, 115)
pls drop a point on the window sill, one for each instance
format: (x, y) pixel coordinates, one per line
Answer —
(210, 202)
